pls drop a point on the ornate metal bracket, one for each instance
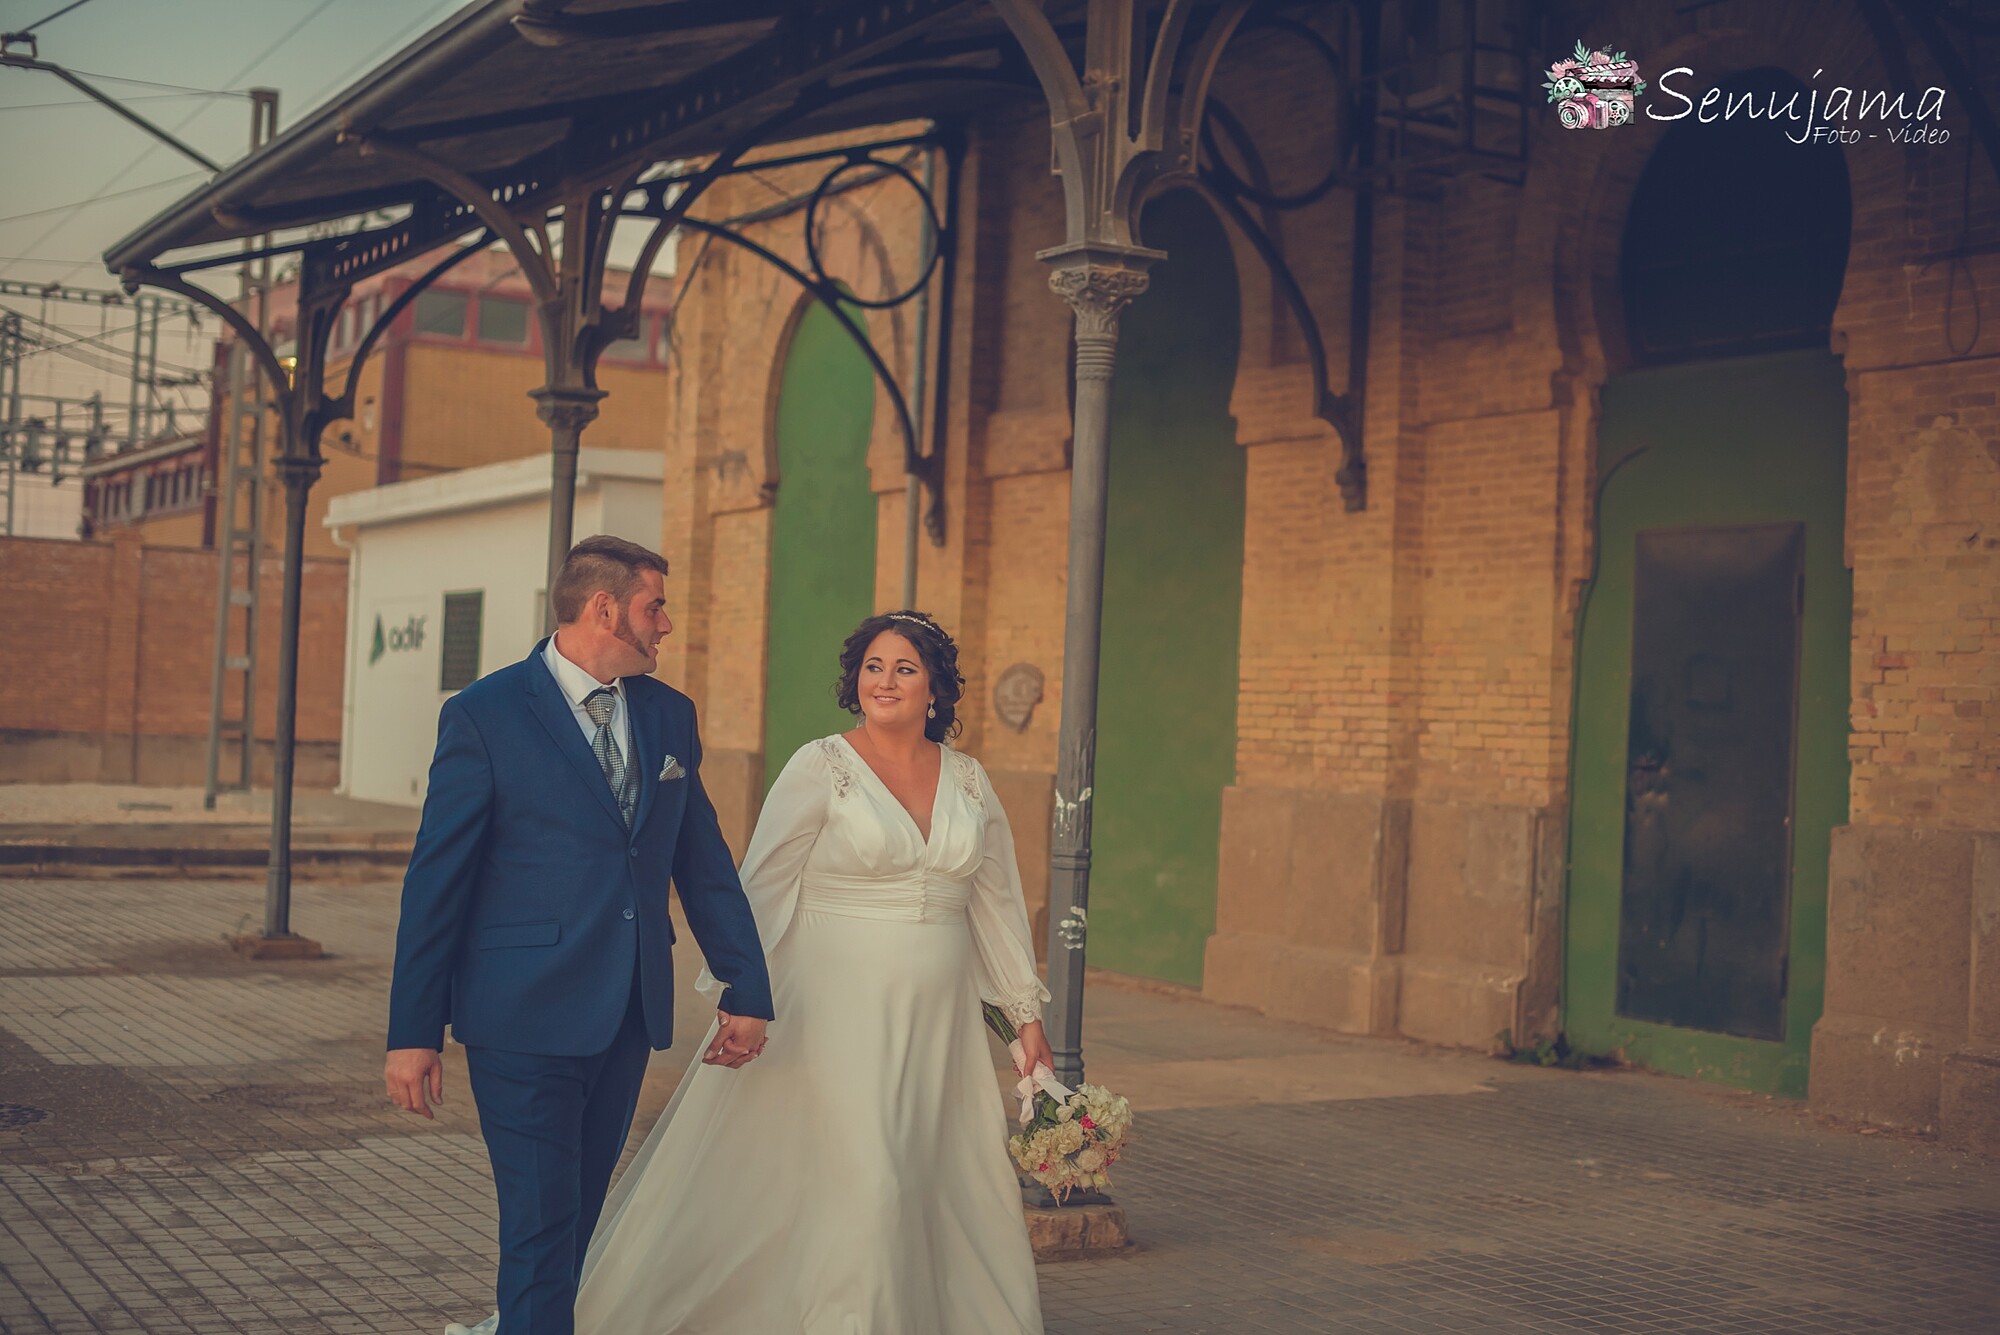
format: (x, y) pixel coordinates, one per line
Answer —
(1233, 194)
(838, 298)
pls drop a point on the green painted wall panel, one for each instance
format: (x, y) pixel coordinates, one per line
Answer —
(822, 533)
(1748, 440)
(1173, 591)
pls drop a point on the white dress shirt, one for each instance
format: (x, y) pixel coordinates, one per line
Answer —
(576, 687)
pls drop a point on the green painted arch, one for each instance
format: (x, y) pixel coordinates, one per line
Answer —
(1748, 440)
(823, 530)
(1685, 897)
(1173, 606)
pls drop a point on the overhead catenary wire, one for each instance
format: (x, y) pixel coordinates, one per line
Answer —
(98, 364)
(75, 4)
(85, 203)
(84, 341)
(151, 149)
(430, 15)
(86, 102)
(155, 83)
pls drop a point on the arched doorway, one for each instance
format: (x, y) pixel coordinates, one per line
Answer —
(822, 532)
(1712, 657)
(1173, 594)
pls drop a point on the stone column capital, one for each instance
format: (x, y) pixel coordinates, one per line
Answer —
(566, 408)
(1098, 282)
(297, 470)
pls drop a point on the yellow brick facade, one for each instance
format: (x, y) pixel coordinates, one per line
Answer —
(1393, 845)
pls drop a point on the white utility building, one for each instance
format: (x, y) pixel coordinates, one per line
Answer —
(446, 582)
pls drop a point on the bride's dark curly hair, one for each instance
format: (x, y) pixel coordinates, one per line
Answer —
(940, 658)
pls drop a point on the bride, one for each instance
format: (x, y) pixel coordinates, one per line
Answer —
(854, 1180)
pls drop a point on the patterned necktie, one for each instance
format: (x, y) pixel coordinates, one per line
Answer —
(600, 704)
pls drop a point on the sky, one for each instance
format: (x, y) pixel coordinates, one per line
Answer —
(75, 177)
(58, 149)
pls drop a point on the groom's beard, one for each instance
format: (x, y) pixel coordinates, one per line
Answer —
(623, 630)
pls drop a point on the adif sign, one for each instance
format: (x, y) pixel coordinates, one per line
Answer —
(406, 637)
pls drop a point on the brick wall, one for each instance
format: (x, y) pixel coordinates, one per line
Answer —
(1406, 671)
(128, 633)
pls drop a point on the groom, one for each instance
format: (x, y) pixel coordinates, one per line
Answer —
(565, 791)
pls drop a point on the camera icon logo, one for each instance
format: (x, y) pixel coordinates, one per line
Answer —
(1594, 90)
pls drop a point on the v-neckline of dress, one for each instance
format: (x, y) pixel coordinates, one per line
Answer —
(937, 795)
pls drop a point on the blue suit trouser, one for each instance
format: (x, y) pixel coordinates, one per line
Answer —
(554, 1129)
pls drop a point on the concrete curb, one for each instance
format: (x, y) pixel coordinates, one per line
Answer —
(81, 851)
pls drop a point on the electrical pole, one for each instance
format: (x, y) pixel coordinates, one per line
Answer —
(33, 432)
(239, 525)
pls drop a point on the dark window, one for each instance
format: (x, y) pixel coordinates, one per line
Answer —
(503, 320)
(441, 313)
(460, 654)
(630, 349)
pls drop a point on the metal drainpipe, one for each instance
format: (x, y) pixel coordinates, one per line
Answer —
(913, 492)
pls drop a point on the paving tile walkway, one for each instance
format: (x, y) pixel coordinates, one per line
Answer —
(212, 1155)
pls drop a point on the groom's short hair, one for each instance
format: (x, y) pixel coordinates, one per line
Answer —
(602, 562)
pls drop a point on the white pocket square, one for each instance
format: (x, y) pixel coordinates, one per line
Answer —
(671, 769)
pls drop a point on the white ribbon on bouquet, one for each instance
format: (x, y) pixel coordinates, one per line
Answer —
(1043, 1078)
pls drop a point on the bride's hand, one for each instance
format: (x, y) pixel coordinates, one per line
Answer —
(738, 1040)
(1035, 1047)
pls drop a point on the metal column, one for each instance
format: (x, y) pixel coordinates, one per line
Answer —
(1098, 285)
(1122, 124)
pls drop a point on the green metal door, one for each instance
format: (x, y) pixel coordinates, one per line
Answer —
(822, 533)
(1173, 592)
(1711, 719)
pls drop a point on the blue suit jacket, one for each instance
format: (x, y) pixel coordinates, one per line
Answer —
(528, 907)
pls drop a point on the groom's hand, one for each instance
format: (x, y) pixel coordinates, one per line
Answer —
(415, 1077)
(738, 1038)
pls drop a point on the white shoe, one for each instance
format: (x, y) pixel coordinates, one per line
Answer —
(487, 1327)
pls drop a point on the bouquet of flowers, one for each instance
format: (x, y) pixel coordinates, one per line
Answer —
(1069, 1138)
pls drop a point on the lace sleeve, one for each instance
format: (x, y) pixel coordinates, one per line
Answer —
(999, 914)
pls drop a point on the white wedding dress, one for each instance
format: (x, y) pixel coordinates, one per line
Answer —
(854, 1179)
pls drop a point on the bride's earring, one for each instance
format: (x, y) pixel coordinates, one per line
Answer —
(933, 712)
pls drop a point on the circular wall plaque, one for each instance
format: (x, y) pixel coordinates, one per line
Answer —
(1016, 693)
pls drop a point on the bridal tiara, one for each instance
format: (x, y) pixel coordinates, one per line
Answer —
(915, 620)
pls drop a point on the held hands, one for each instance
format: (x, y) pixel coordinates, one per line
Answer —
(738, 1039)
(415, 1077)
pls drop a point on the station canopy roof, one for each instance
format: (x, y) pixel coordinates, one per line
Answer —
(524, 95)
